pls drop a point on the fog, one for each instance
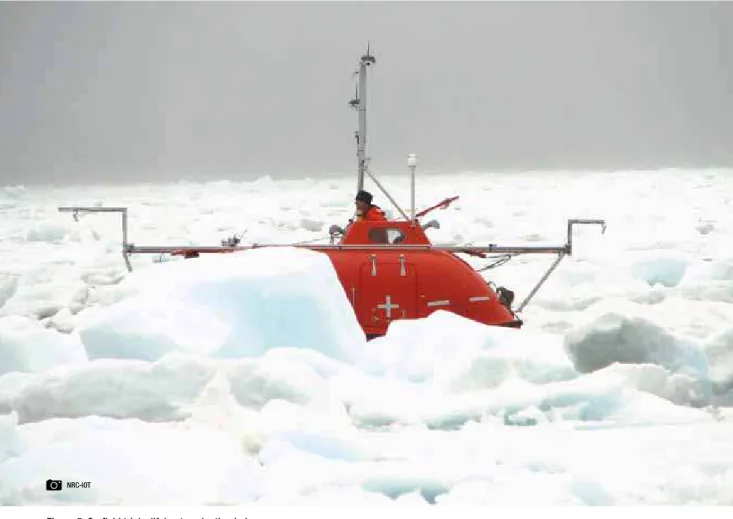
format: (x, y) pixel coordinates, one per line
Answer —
(147, 91)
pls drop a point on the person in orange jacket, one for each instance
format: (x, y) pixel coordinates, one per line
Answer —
(367, 211)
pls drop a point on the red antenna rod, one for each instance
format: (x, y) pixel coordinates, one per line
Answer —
(443, 205)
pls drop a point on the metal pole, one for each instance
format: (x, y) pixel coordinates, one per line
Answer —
(384, 191)
(541, 281)
(364, 62)
(412, 163)
(125, 256)
(361, 143)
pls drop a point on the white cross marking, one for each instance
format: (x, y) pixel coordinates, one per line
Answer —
(388, 306)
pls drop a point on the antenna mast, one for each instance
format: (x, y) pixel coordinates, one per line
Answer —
(360, 103)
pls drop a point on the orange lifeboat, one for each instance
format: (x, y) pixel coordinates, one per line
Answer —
(389, 269)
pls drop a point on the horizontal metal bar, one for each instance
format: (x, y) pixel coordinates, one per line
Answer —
(166, 249)
(92, 209)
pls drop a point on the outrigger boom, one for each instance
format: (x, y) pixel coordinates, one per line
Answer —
(566, 249)
(129, 248)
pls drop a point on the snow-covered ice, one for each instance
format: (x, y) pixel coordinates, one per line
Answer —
(246, 378)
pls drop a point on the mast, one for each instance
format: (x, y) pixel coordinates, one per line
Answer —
(360, 103)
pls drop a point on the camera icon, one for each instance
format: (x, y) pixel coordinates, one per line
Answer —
(53, 485)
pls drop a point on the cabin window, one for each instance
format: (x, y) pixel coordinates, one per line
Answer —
(386, 236)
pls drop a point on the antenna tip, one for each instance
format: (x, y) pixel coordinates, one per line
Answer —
(367, 58)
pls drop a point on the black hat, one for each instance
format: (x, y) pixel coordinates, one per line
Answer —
(364, 196)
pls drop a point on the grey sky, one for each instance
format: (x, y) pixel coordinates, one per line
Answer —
(158, 91)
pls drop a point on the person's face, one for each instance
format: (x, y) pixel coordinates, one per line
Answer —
(361, 206)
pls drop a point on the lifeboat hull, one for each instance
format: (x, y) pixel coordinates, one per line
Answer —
(388, 285)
